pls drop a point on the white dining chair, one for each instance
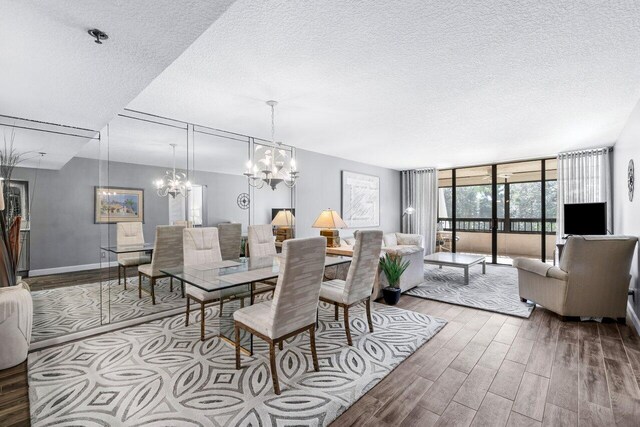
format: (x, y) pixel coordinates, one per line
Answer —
(295, 301)
(167, 253)
(360, 279)
(129, 233)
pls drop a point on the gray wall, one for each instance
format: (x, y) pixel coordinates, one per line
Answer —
(63, 232)
(626, 214)
(320, 187)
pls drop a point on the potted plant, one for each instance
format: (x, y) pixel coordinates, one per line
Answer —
(392, 266)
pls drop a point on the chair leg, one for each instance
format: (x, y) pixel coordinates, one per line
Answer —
(153, 290)
(280, 345)
(335, 314)
(274, 372)
(139, 285)
(171, 284)
(237, 331)
(124, 275)
(182, 288)
(622, 320)
(241, 302)
(119, 266)
(202, 321)
(312, 341)
(523, 299)
(367, 304)
(221, 305)
(347, 329)
(186, 319)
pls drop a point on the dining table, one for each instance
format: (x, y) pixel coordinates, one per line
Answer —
(131, 248)
(234, 280)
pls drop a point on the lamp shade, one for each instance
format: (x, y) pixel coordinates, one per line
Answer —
(329, 219)
(283, 218)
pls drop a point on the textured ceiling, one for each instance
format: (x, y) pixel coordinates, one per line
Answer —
(51, 70)
(412, 83)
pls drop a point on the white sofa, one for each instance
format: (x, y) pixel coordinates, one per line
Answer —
(410, 247)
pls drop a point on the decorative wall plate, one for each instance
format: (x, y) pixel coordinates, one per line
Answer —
(631, 179)
(243, 201)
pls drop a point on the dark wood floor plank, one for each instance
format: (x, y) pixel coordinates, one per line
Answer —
(468, 358)
(420, 417)
(555, 416)
(494, 411)
(507, 380)
(592, 415)
(437, 398)
(359, 413)
(475, 387)
(400, 405)
(456, 415)
(532, 395)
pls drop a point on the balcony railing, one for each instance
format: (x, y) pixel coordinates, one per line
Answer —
(511, 225)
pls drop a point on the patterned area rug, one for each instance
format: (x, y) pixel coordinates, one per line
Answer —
(495, 291)
(61, 311)
(160, 373)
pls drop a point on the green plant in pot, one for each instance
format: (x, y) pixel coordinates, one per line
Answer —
(393, 267)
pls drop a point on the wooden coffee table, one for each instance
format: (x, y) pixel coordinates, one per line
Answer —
(457, 260)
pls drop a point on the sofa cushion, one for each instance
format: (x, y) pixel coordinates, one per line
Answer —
(390, 239)
(409, 239)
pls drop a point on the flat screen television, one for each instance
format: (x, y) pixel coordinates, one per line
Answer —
(585, 218)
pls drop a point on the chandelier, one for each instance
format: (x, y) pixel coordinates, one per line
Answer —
(174, 183)
(275, 164)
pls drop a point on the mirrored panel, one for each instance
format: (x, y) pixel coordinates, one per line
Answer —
(50, 190)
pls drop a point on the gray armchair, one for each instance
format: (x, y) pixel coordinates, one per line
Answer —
(592, 279)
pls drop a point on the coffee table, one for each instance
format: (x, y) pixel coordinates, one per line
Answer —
(457, 260)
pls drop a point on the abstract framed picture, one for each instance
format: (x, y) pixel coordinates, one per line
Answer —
(118, 204)
(360, 199)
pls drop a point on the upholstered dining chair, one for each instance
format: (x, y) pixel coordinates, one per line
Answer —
(360, 279)
(167, 253)
(183, 223)
(262, 243)
(230, 235)
(295, 301)
(261, 240)
(129, 233)
(201, 246)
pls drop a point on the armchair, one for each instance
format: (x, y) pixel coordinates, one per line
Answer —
(592, 279)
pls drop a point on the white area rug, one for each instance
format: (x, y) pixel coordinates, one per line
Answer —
(61, 311)
(160, 373)
(495, 291)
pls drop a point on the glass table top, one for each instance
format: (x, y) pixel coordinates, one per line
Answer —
(123, 249)
(227, 274)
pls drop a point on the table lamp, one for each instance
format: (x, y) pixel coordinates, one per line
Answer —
(283, 222)
(329, 221)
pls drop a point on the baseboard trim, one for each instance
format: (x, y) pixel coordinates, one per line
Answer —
(633, 316)
(71, 268)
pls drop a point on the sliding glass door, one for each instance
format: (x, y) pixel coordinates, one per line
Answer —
(500, 211)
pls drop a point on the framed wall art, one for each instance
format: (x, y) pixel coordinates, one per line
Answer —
(118, 204)
(360, 199)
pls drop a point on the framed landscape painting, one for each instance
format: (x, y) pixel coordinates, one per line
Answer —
(360, 199)
(117, 204)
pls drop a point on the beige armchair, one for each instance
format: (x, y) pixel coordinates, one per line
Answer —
(130, 233)
(592, 279)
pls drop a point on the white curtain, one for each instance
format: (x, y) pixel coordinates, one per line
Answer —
(584, 177)
(420, 191)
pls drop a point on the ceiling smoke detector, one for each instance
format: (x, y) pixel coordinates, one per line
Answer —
(98, 35)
